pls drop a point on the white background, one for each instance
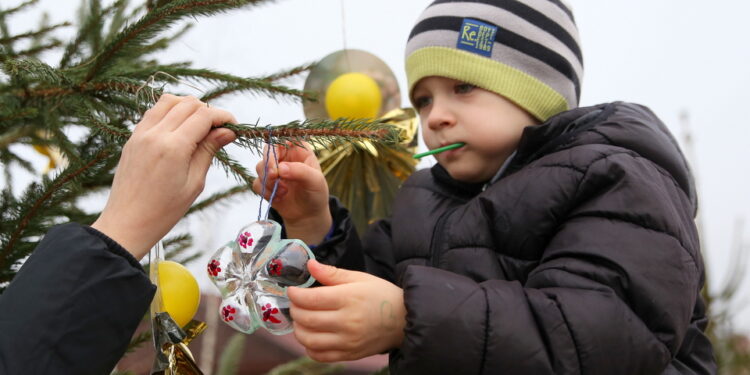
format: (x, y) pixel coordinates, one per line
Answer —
(672, 55)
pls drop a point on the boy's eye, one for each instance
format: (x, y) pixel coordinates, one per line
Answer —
(463, 88)
(421, 102)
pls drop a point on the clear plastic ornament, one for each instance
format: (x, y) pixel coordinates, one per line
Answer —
(252, 273)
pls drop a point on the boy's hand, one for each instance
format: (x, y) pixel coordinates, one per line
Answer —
(354, 316)
(162, 170)
(302, 195)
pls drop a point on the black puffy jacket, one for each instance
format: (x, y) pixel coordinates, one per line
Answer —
(73, 306)
(583, 258)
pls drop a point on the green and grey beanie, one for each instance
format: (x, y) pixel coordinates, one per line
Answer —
(525, 50)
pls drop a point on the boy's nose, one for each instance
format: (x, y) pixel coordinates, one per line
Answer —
(440, 116)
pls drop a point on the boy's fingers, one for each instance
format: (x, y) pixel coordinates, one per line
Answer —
(327, 355)
(320, 321)
(316, 340)
(270, 181)
(320, 298)
(280, 191)
(307, 176)
(257, 185)
(260, 169)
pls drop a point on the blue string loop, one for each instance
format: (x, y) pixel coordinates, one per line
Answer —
(265, 175)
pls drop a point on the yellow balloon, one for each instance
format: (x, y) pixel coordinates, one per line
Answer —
(179, 292)
(354, 96)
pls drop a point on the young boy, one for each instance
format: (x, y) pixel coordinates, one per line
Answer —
(556, 240)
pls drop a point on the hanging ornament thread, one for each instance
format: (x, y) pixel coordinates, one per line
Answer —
(253, 270)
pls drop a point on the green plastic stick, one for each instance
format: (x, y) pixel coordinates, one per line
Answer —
(439, 150)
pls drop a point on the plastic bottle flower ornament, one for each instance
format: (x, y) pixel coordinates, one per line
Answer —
(252, 273)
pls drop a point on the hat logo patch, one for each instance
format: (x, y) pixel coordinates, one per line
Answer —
(477, 37)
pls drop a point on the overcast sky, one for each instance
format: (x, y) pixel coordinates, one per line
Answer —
(671, 55)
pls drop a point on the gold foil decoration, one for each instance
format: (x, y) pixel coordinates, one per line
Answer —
(54, 155)
(170, 340)
(350, 61)
(366, 176)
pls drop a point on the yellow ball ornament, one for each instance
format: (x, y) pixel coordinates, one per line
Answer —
(179, 292)
(354, 96)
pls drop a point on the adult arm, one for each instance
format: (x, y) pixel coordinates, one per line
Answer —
(73, 306)
(77, 300)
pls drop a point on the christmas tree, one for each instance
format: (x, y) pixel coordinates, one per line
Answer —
(79, 111)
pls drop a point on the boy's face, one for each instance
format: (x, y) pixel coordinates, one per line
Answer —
(452, 111)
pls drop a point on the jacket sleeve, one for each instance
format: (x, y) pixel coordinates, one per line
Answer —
(343, 248)
(73, 306)
(613, 293)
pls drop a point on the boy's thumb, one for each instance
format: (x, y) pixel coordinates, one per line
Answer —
(330, 275)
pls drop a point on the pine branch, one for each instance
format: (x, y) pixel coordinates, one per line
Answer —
(290, 73)
(8, 12)
(163, 43)
(21, 162)
(34, 34)
(35, 70)
(219, 197)
(14, 135)
(91, 23)
(9, 158)
(234, 168)
(151, 4)
(156, 20)
(187, 259)
(50, 190)
(207, 75)
(176, 241)
(230, 83)
(118, 19)
(119, 107)
(120, 85)
(138, 340)
(176, 246)
(97, 17)
(256, 86)
(305, 365)
(59, 139)
(321, 132)
(112, 132)
(229, 362)
(33, 51)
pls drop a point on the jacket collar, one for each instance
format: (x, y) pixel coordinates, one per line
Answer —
(539, 140)
(464, 190)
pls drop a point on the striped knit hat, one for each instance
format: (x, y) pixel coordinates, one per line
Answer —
(524, 50)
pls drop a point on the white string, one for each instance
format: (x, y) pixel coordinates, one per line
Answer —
(343, 24)
(343, 35)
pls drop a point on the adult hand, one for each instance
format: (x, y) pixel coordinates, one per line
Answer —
(353, 316)
(302, 195)
(162, 170)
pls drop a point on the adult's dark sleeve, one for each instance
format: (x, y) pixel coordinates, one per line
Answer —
(614, 293)
(73, 306)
